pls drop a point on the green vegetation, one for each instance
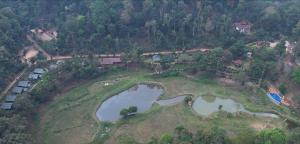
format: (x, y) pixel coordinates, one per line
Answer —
(296, 76)
(126, 112)
(132, 27)
(217, 136)
(73, 113)
(282, 88)
(188, 99)
(271, 136)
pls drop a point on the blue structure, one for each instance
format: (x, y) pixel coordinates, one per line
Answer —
(276, 98)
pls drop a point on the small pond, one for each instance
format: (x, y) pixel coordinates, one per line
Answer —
(142, 96)
(207, 105)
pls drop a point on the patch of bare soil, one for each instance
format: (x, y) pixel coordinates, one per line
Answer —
(258, 126)
(31, 53)
(227, 82)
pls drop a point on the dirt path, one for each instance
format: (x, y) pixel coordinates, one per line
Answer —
(37, 46)
(50, 57)
(11, 84)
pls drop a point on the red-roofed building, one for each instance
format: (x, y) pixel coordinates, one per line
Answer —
(110, 61)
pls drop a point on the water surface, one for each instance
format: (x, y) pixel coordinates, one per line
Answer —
(207, 105)
(142, 96)
(172, 101)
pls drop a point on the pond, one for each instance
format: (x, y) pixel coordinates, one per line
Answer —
(142, 96)
(207, 105)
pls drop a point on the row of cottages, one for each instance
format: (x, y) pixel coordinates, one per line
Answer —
(22, 86)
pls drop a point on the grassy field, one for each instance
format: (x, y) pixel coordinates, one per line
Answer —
(70, 118)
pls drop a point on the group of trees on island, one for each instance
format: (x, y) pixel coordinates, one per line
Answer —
(127, 112)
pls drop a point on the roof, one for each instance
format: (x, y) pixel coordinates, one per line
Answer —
(10, 98)
(17, 90)
(275, 97)
(6, 106)
(53, 66)
(33, 76)
(168, 58)
(38, 71)
(156, 58)
(243, 26)
(110, 61)
(24, 84)
(237, 62)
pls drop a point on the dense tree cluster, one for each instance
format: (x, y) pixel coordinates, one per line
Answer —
(218, 136)
(112, 26)
(182, 135)
(11, 38)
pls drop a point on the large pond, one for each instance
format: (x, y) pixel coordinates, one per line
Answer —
(142, 96)
(207, 105)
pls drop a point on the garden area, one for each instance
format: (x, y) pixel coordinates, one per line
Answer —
(71, 116)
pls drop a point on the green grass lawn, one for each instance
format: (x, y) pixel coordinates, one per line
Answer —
(71, 118)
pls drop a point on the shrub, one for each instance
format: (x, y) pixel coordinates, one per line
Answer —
(296, 76)
(132, 109)
(124, 112)
(282, 88)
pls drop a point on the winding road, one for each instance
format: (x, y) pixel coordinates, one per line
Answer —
(49, 57)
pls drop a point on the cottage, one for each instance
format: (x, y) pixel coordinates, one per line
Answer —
(156, 58)
(110, 61)
(18, 90)
(10, 98)
(168, 58)
(243, 26)
(39, 71)
(6, 106)
(249, 54)
(53, 66)
(24, 84)
(289, 48)
(33, 76)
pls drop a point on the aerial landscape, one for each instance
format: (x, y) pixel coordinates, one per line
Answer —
(150, 72)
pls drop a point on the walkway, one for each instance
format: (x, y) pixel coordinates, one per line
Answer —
(50, 57)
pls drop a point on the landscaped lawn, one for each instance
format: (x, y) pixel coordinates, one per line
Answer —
(70, 117)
